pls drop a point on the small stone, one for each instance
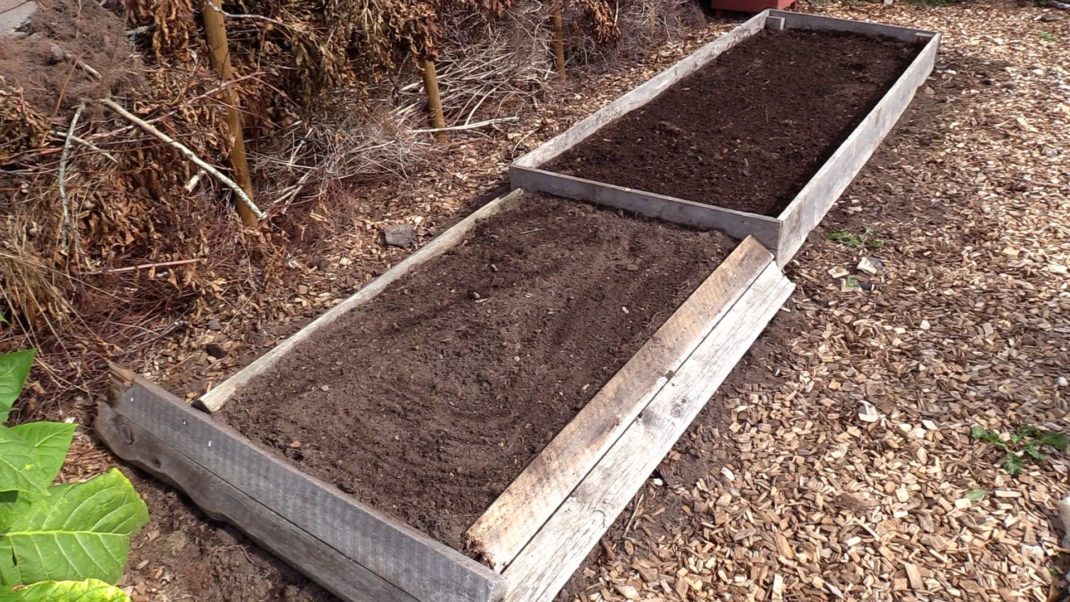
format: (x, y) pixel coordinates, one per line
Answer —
(928, 91)
(925, 325)
(325, 388)
(631, 267)
(868, 413)
(399, 235)
(214, 324)
(56, 55)
(870, 265)
(1062, 382)
(1050, 18)
(216, 350)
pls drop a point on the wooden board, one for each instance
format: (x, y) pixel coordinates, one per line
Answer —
(394, 552)
(547, 562)
(323, 564)
(809, 207)
(516, 516)
(218, 397)
(784, 234)
(737, 224)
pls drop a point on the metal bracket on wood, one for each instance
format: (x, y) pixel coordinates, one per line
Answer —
(774, 23)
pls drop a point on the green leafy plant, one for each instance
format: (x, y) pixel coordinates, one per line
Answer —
(854, 240)
(57, 542)
(1023, 446)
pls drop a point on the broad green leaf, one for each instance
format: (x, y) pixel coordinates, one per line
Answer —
(1053, 438)
(51, 440)
(14, 367)
(80, 531)
(1033, 451)
(90, 590)
(11, 505)
(975, 495)
(1013, 463)
(20, 468)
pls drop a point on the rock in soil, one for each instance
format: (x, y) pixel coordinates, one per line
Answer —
(399, 235)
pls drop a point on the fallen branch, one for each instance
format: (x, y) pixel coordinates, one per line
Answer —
(65, 225)
(468, 126)
(146, 266)
(186, 153)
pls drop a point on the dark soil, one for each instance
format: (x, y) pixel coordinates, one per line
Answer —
(749, 130)
(34, 62)
(429, 400)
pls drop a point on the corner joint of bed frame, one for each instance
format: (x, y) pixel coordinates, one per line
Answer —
(774, 23)
(120, 381)
(924, 37)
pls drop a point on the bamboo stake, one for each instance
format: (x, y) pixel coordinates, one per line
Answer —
(244, 199)
(559, 41)
(219, 56)
(434, 102)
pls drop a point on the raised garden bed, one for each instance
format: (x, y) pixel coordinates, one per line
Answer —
(756, 133)
(469, 424)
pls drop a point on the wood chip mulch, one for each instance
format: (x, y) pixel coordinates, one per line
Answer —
(844, 467)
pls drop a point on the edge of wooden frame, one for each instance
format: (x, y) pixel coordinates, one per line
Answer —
(218, 397)
(323, 564)
(548, 561)
(150, 426)
(808, 21)
(642, 94)
(737, 224)
(811, 204)
(517, 514)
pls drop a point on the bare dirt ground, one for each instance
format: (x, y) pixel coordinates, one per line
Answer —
(792, 496)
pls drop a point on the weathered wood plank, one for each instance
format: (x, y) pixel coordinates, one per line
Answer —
(547, 562)
(218, 397)
(737, 224)
(515, 516)
(220, 500)
(797, 20)
(641, 95)
(809, 207)
(400, 555)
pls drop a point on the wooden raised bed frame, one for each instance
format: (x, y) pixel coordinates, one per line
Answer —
(783, 234)
(535, 535)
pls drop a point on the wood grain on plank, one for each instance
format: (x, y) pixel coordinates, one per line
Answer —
(737, 224)
(797, 20)
(809, 207)
(515, 516)
(218, 397)
(641, 95)
(411, 561)
(547, 562)
(220, 500)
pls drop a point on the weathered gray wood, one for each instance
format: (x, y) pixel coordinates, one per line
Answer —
(641, 95)
(547, 562)
(422, 567)
(809, 207)
(518, 513)
(797, 20)
(220, 500)
(218, 397)
(737, 224)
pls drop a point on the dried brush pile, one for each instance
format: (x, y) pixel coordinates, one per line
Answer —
(110, 239)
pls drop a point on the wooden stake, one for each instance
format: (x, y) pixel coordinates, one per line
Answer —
(434, 102)
(559, 41)
(219, 56)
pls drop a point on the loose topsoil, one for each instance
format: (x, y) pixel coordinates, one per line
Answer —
(427, 401)
(749, 130)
